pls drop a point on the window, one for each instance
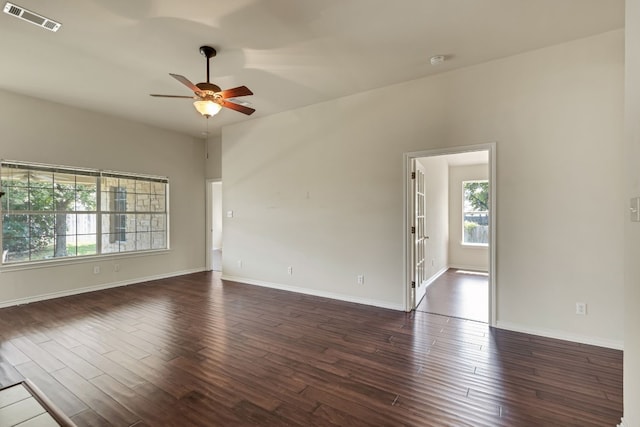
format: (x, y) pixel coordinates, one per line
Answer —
(475, 212)
(118, 221)
(51, 212)
(133, 214)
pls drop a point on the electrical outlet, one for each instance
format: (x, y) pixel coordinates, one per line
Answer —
(581, 308)
(290, 270)
(360, 279)
(116, 267)
(239, 263)
(96, 269)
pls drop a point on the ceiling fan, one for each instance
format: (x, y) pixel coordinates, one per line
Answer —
(209, 97)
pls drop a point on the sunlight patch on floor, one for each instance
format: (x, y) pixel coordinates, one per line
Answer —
(474, 273)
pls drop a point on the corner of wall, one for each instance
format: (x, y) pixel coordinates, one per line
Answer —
(213, 157)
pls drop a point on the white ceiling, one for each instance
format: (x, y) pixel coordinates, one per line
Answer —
(469, 158)
(111, 54)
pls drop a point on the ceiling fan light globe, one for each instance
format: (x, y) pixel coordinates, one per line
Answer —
(207, 108)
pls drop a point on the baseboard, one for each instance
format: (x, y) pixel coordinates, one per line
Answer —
(52, 295)
(583, 339)
(315, 292)
(468, 267)
(435, 276)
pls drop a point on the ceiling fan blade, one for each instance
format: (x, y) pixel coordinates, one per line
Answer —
(185, 81)
(236, 91)
(174, 96)
(240, 108)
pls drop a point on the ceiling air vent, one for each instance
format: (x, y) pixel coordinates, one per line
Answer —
(34, 18)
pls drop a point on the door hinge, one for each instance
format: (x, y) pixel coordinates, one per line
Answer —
(413, 175)
(413, 230)
(413, 285)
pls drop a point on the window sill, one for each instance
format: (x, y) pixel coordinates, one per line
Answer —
(474, 245)
(6, 268)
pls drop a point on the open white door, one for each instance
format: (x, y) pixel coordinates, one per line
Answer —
(418, 232)
(214, 226)
(412, 241)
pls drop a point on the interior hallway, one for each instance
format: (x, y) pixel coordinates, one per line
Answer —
(458, 293)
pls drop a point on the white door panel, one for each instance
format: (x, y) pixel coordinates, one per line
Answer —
(420, 236)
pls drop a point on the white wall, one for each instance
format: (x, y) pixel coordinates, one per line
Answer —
(213, 157)
(464, 256)
(632, 230)
(216, 215)
(320, 188)
(556, 114)
(39, 131)
(437, 213)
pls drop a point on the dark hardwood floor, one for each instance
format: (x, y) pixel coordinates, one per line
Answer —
(458, 293)
(192, 350)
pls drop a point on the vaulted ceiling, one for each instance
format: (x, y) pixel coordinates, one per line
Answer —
(110, 55)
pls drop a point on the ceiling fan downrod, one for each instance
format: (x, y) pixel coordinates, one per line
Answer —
(209, 53)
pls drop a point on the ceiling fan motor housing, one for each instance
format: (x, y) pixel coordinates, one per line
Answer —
(209, 91)
(208, 87)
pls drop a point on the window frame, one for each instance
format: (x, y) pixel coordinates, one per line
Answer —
(464, 212)
(99, 213)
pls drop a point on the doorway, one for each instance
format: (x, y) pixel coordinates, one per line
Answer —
(214, 226)
(450, 235)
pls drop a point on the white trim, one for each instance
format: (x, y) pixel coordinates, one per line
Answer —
(314, 292)
(475, 245)
(84, 259)
(468, 267)
(52, 295)
(493, 242)
(208, 197)
(406, 223)
(73, 169)
(562, 335)
(208, 213)
(490, 147)
(622, 424)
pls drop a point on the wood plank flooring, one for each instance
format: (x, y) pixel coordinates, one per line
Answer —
(458, 293)
(193, 350)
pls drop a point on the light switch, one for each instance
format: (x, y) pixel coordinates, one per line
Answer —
(634, 208)
(229, 214)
